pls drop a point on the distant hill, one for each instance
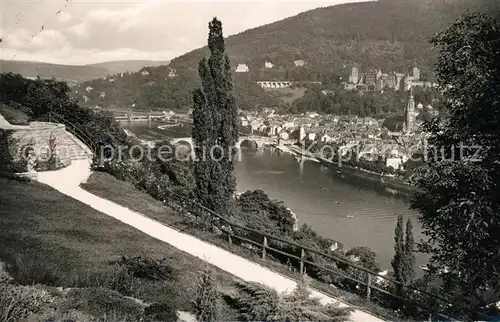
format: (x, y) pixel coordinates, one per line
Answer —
(73, 73)
(123, 66)
(388, 34)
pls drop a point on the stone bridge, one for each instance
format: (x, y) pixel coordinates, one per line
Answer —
(259, 141)
(274, 84)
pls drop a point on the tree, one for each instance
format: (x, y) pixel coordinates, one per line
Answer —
(459, 199)
(206, 302)
(215, 128)
(403, 262)
(258, 302)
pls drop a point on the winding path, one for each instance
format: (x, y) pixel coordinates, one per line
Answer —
(67, 181)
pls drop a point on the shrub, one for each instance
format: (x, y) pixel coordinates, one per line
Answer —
(14, 115)
(206, 304)
(29, 272)
(98, 301)
(53, 162)
(272, 213)
(164, 311)
(147, 268)
(258, 302)
(19, 302)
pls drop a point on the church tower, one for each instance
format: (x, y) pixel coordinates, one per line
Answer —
(410, 113)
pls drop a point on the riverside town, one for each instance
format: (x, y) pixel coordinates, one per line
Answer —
(301, 162)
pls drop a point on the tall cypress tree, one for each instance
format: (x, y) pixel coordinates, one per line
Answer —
(399, 249)
(409, 267)
(215, 128)
(403, 262)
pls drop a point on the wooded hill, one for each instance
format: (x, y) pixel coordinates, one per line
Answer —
(390, 35)
(74, 73)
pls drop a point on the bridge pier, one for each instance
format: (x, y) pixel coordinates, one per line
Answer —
(130, 117)
(150, 118)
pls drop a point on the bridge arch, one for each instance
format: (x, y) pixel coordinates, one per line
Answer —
(257, 143)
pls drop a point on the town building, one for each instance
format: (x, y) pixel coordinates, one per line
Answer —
(299, 63)
(242, 68)
(354, 77)
(410, 114)
(172, 73)
(274, 84)
(371, 80)
(416, 73)
(268, 65)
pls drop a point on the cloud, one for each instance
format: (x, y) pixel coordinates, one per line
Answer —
(91, 31)
(79, 30)
(64, 17)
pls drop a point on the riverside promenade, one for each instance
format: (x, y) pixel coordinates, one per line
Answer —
(68, 180)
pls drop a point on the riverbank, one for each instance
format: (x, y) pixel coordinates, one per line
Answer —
(342, 169)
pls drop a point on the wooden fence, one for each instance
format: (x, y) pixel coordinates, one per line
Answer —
(369, 284)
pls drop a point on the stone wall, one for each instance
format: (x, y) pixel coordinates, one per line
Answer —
(38, 135)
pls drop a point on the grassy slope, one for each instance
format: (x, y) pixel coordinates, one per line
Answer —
(43, 226)
(125, 194)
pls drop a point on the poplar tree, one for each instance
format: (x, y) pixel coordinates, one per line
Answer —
(403, 262)
(215, 128)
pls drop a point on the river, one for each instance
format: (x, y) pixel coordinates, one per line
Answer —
(319, 196)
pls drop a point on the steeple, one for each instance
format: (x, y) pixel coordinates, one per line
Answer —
(410, 112)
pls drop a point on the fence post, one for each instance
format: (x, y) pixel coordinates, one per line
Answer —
(229, 235)
(368, 286)
(264, 245)
(302, 257)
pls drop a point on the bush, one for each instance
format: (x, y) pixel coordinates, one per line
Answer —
(258, 302)
(29, 272)
(100, 301)
(15, 116)
(147, 268)
(272, 213)
(206, 304)
(19, 302)
(164, 311)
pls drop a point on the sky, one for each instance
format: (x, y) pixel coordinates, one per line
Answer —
(77, 32)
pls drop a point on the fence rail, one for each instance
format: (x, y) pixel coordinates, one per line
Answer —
(368, 283)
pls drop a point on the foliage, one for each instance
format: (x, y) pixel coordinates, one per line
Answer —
(147, 268)
(14, 116)
(49, 100)
(98, 301)
(206, 304)
(459, 205)
(19, 302)
(161, 312)
(51, 161)
(258, 302)
(403, 262)
(272, 214)
(215, 128)
(7, 166)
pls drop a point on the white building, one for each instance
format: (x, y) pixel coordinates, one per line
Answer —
(416, 73)
(172, 73)
(88, 89)
(354, 77)
(394, 162)
(311, 136)
(242, 68)
(268, 65)
(284, 135)
(302, 133)
(312, 114)
(145, 73)
(299, 63)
